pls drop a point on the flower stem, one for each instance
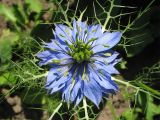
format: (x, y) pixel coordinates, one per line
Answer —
(38, 76)
(108, 16)
(55, 111)
(85, 108)
(144, 89)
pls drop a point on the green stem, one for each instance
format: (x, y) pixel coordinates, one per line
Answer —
(38, 76)
(108, 17)
(148, 91)
(55, 111)
(106, 22)
(85, 108)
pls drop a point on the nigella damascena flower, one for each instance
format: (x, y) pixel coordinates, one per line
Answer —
(81, 62)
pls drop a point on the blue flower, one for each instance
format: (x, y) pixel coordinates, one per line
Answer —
(81, 62)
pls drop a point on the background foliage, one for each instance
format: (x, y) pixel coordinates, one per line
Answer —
(26, 24)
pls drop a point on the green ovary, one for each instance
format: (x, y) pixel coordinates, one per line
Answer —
(80, 51)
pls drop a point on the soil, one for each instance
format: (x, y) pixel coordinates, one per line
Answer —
(120, 105)
(12, 107)
(9, 2)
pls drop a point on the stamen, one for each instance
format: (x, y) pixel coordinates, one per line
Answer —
(80, 51)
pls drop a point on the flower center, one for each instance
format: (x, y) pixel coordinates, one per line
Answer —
(80, 51)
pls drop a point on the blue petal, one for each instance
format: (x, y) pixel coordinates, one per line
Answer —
(79, 97)
(116, 61)
(67, 91)
(104, 82)
(51, 76)
(104, 75)
(79, 72)
(109, 68)
(64, 34)
(55, 73)
(77, 92)
(94, 31)
(74, 32)
(49, 56)
(93, 92)
(108, 57)
(59, 82)
(63, 45)
(79, 29)
(54, 45)
(106, 42)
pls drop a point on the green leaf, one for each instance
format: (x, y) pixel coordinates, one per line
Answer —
(6, 40)
(7, 79)
(5, 51)
(7, 12)
(3, 80)
(35, 5)
(19, 13)
(152, 109)
(148, 108)
(128, 115)
(142, 100)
